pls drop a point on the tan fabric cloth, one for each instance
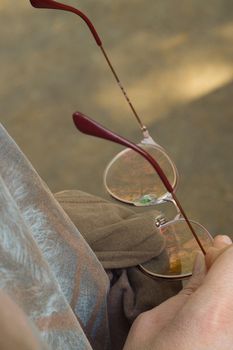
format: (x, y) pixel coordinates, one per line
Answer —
(121, 239)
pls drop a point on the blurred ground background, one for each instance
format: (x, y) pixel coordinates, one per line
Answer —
(175, 58)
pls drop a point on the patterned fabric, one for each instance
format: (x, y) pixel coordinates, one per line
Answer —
(46, 267)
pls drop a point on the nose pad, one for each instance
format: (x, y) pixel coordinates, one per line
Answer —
(178, 216)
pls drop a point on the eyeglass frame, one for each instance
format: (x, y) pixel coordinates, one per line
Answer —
(90, 127)
(95, 129)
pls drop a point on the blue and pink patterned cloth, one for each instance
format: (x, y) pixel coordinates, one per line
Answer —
(46, 266)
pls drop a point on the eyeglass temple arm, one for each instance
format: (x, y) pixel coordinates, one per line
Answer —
(51, 4)
(90, 127)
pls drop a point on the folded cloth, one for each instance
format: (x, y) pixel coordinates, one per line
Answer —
(121, 239)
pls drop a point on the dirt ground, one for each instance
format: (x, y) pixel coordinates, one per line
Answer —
(175, 59)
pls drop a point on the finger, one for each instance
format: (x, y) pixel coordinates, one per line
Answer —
(218, 283)
(199, 272)
(160, 316)
(221, 243)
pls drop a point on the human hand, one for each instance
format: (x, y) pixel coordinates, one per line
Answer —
(16, 331)
(200, 316)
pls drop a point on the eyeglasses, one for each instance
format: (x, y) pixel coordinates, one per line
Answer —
(126, 161)
(182, 236)
(130, 178)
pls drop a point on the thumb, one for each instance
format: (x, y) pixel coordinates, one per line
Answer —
(199, 272)
(161, 315)
(221, 244)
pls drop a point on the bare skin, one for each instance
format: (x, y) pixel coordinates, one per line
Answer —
(15, 329)
(200, 316)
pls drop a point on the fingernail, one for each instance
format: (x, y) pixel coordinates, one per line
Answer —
(199, 266)
(226, 239)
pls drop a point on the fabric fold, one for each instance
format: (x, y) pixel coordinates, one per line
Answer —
(46, 266)
(119, 237)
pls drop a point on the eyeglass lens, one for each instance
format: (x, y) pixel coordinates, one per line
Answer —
(131, 179)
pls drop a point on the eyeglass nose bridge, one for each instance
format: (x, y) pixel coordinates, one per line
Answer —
(162, 219)
(170, 199)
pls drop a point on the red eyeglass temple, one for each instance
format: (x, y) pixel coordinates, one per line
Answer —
(90, 127)
(51, 4)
